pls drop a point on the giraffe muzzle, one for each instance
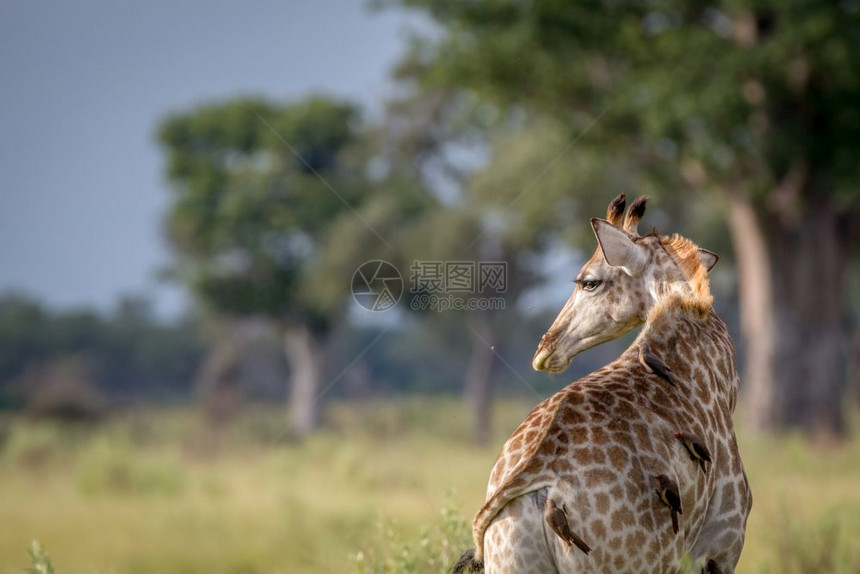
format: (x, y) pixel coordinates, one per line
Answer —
(541, 359)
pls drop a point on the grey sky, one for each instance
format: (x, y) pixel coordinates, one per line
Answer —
(83, 85)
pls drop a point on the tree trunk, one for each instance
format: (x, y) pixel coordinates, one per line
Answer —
(305, 358)
(478, 382)
(755, 292)
(218, 379)
(810, 268)
(792, 274)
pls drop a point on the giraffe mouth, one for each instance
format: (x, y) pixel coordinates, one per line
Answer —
(545, 359)
(541, 358)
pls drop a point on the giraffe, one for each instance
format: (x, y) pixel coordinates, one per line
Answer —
(598, 447)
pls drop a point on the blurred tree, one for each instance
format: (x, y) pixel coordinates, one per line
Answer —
(217, 381)
(442, 137)
(417, 135)
(143, 357)
(271, 208)
(754, 100)
(127, 355)
(23, 338)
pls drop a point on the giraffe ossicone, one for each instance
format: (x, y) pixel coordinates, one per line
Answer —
(595, 447)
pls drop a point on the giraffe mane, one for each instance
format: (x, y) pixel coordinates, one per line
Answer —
(686, 254)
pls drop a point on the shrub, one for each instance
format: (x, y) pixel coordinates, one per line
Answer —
(435, 551)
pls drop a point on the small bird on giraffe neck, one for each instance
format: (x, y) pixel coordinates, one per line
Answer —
(668, 493)
(696, 447)
(654, 364)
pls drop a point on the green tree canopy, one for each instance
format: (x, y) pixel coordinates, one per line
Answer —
(274, 208)
(256, 187)
(754, 100)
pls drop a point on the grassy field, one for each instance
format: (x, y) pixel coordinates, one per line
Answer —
(389, 487)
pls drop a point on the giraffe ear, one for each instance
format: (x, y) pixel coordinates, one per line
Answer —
(708, 258)
(618, 248)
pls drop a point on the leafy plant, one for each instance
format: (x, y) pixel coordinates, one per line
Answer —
(41, 560)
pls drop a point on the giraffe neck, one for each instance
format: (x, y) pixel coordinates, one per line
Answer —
(687, 333)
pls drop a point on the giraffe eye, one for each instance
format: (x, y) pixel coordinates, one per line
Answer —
(589, 284)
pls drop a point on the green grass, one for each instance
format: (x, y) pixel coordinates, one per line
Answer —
(388, 487)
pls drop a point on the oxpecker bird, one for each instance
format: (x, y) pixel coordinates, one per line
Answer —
(556, 517)
(712, 568)
(668, 493)
(696, 447)
(654, 364)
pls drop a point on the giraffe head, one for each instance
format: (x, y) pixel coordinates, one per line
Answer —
(620, 283)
